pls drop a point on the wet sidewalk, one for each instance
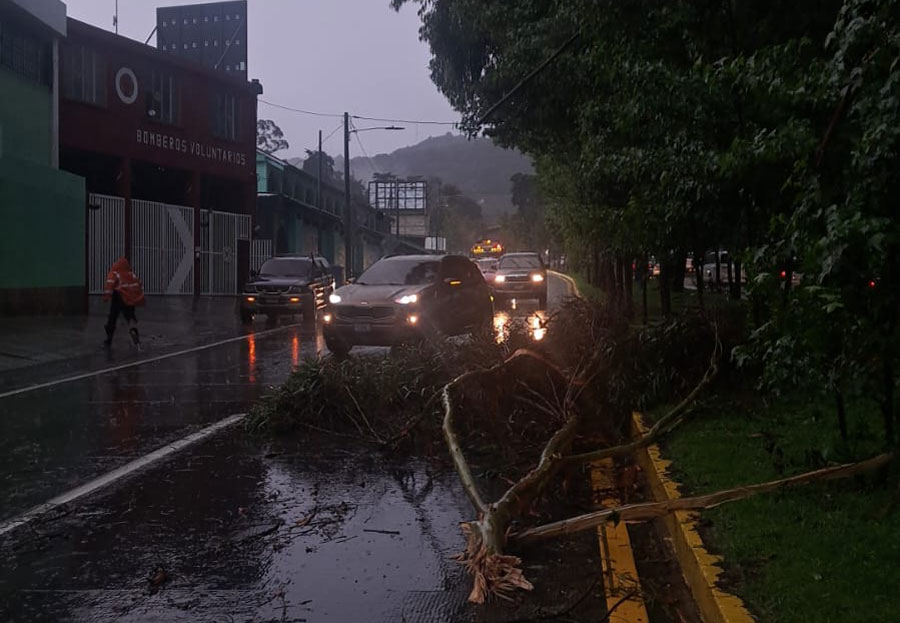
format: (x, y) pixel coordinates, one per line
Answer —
(35, 348)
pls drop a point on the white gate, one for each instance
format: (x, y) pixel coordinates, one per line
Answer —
(219, 250)
(162, 241)
(260, 251)
(106, 237)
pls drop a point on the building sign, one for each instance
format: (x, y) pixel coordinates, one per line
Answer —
(192, 148)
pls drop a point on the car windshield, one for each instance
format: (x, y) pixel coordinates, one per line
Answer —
(400, 272)
(520, 261)
(286, 267)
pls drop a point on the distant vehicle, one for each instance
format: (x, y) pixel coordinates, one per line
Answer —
(709, 267)
(487, 248)
(405, 298)
(487, 266)
(287, 285)
(521, 276)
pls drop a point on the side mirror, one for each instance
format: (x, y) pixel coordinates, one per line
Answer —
(451, 281)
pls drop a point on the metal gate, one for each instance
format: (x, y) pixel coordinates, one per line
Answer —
(106, 237)
(219, 250)
(260, 251)
(162, 239)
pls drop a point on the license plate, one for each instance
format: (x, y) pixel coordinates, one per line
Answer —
(362, 327)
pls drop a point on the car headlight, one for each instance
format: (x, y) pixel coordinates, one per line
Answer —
(334, 298)
(537, 278)
(408, 299)
(500, 278)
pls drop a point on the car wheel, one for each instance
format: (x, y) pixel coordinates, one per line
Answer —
(246, 317)
(338, 348)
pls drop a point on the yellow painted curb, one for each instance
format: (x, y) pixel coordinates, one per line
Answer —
(620, 576)
(701, 569)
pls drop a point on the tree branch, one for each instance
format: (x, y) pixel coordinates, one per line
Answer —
(651, 510)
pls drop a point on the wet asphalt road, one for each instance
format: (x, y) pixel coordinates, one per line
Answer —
(229, 529)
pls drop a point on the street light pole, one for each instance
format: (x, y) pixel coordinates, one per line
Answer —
(348, 211)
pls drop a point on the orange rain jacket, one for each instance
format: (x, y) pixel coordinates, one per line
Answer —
(122, 280)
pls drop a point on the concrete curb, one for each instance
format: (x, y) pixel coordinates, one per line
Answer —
(701, 569)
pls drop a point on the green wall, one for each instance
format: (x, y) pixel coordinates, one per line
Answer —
(25, 115)
(43, 216)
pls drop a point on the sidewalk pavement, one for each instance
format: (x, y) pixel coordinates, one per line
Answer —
(29, 345)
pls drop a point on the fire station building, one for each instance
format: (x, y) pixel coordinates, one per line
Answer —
(167, 149)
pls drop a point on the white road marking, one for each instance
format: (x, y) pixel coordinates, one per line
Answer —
(186, 351)
(117, 474)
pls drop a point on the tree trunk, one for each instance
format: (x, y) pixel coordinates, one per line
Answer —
(887, 403)
(734, 286)
(665, 289)
(698, 277)
(718, 269)
(841, 413)
(678, 272)
(628, 282)
(643, 273)
(617, 278)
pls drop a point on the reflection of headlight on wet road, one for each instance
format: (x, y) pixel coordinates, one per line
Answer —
(539, 334)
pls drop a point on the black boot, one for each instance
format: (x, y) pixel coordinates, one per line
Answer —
(109, 335)
(135, 336)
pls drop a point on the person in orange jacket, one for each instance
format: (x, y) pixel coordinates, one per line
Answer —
(124, 290)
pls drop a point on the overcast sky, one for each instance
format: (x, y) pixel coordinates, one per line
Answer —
(320, 55)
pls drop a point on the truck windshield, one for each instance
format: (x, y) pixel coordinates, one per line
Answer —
(285, 267)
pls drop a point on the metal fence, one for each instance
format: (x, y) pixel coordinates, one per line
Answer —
(162, 245)
(219, 238)
(106, 238)
(162, 241)
(260, 251)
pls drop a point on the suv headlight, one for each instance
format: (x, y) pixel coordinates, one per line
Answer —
(500, 278)
(537, 277)
(407, 299)
(334, 299)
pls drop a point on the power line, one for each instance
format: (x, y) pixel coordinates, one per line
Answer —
(416, 121)
(362, 118)
(359, 140)
(300, 110)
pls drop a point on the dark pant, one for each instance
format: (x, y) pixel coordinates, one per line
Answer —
(116, 307)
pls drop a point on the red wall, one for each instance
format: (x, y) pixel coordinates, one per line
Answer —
(124, 130)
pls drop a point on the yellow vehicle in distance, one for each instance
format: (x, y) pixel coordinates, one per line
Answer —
(487, 248)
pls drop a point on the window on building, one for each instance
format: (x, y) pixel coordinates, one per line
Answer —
(215, 18)
(185, 21)
(227, 67)
(227, 17)
(225, 116)
(194, 45)
(185, 46)
(194, 20)
(164, 23)
(163, 98)
(165, 47)
(237, 16)
(83, 75)
(24, 53)
(206, 44)
(215, 43)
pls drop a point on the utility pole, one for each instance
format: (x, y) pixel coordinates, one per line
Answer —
(319, 174)
(116, 17)
(348, 211)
